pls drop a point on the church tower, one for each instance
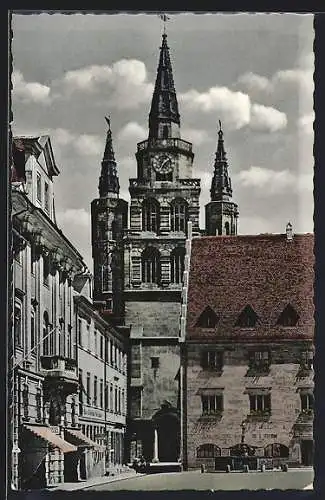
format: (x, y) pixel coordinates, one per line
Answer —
(109, 219)
(221, 213)
(164, 197)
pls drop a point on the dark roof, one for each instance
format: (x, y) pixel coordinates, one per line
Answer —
(266, 272)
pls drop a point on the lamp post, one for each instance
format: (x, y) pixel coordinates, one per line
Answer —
(243, 429)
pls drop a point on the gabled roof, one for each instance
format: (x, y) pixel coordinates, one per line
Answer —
(265, 271)
(38, 145)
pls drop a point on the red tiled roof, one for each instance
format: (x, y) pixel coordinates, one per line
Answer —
(266, 272)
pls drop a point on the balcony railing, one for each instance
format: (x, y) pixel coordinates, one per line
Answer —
(165, 144)
(59, 366)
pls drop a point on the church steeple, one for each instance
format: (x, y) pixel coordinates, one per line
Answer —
(221, 214)
(108, 181)
(221, 189)
(164, 119)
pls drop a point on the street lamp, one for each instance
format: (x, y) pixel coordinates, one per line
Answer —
(243, 429)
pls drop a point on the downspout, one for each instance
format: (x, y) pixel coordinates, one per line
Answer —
(183, 349)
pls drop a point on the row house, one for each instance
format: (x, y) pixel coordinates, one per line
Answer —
(247, 350)
(50, 445)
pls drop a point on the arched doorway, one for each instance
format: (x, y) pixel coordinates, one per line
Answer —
(167, 423)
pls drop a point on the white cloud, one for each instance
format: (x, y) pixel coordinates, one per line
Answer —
(84, 144)
(124, 83)
(232, 107)
(274, 182)
(196, 136)
(132, 131)
(76, 225)
(235, 109)
(73, 216)
(306, 122)
(29, 92)
(253, 82)
(265, 118)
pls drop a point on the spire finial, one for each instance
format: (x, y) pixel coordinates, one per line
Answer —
(220, 132)
(108, 121)
(164, 18)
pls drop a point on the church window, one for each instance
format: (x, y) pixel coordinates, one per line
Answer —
(288, 317)
(247, 318)
(179, 215)
(150, 215)
(151, 265)
(208, 451)
(227, 228)
(177, 265)
(207, 319)
(165, 132)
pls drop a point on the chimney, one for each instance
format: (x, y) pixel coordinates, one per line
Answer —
(289, 231)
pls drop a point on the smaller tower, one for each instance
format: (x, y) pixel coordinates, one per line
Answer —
(221, 213)
(109, 220)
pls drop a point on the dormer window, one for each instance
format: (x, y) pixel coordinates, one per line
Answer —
(288, 317)
(207, 319)
(247, 318)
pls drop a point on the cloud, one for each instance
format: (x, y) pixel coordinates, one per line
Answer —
(253, 82)
(84, 144)
(123, 85)
(265, 118)
(132, 131)
(76, 225)
(235, 109)
(306, 123)
(274, 182)
(232, 107)
(196, 136)
(29, 92)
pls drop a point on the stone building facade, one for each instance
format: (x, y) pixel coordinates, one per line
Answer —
(248, 351)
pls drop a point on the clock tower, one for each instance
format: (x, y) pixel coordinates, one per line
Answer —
(164, 197)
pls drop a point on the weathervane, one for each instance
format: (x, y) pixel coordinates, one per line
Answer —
(164, 18)
(108, 120)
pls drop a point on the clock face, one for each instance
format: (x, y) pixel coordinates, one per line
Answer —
(163, 163)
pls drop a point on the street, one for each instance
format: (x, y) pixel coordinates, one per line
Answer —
(294, 479)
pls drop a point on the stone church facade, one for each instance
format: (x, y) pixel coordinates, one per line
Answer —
(138, 267)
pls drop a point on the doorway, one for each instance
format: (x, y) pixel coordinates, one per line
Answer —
(307, 451)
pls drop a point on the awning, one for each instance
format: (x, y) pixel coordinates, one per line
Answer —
(76, 437)
(53, 439)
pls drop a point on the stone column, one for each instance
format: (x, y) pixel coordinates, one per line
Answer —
(155, 447)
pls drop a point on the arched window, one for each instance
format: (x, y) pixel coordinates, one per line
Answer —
(165, 132)
(151, 265)
(179, 215)
(227, 228)
(208, 451)
(177, 265)
(150, 215)
(45, 334)
(277, 450)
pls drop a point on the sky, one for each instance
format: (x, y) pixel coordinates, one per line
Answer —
(254, 72)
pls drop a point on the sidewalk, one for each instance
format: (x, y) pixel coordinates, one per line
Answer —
(96, 481)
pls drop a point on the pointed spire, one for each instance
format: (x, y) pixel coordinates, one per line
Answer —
(164, 119)
(108, 181)
(221, 189)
